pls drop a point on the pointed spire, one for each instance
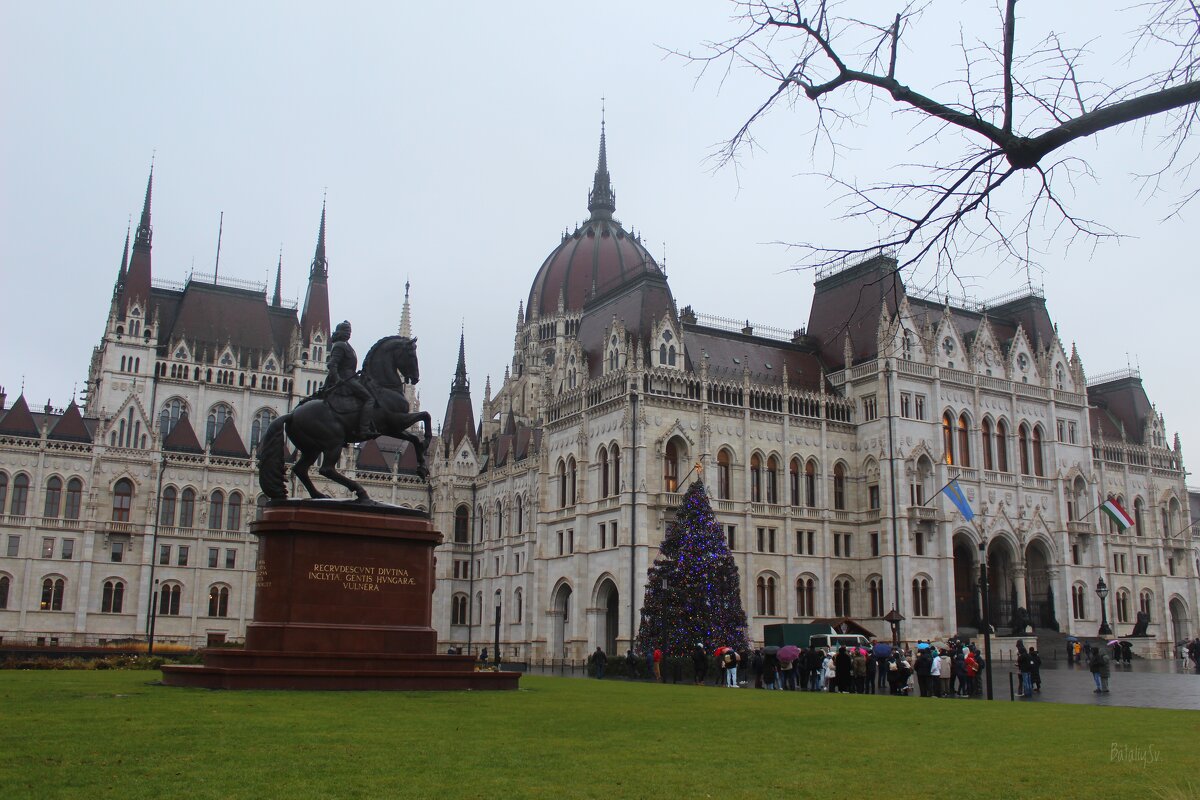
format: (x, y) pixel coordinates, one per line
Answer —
(124, 259)
(460, 372)
(602, 201)
(277, 300)
(406, 315)
(320, 265)
(144, 231)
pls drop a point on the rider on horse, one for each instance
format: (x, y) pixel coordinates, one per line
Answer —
(342, 379)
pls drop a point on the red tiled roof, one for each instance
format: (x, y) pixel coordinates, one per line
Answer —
(459, 421)
(18, 421)
(228, 442)
(371, 458)
(182, 437)
(215, 315)
(70, 426)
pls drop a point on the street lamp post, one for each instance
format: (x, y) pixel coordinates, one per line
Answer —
(894, 618)
(1102, 593)
(985, 608)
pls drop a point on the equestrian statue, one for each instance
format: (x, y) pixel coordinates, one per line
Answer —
(352, 406)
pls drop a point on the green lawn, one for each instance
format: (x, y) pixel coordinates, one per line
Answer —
(118, 734)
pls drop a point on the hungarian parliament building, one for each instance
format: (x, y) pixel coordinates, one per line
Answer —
(823, 448)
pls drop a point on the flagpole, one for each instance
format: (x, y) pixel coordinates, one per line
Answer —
(939, 491)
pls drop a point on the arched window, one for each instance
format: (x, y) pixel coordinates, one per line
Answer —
(478, 608)
(755, 478)
(216, 511)
(1138, 509)
(766, 596)
(794, 482)
(1146, 602)
(218, 601)
(1038, 466)
(604, 476)
(262, 421)
(187, 508)
(1122, 606)
(217, 416)
(562, 483)
(122, 500)
(518, 605)
(671, 468)
(964, 441)
(260, 506)
(805, 597)
(53, 502)
(166, 508)
(615, 484)
(20, 495)
(839, 487)
(5, 585)
(499, 519)
(1002, 446)
(520, 515)
(233, 513)
(571, 480)
(458, 609)
(52, 594)
(772, 480)
(112, 597)
(985, 438)
(810, 483)
(873, 587)
(74, 499)
(841, 598)
(723, 475)
(920, 594)
(1023, 447)
(172, 410)
(462, 524)
(948, 436)
(1079, 601)
(168, 599)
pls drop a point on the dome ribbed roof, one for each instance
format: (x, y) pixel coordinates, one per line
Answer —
(598, 257)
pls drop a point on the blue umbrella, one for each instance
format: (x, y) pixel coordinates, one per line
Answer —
(882, 650)
(922, 645)
(1072, 639)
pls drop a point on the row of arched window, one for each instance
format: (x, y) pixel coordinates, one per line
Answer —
(223, 376)
(992, 452)
(112, 596)
(1081, 503)
(175, 408)
(500, 520)
(608, 475)
(461, 612)
(177, 509)
(1121, 600)
(61, 499)
(765, 479)
(842, 597)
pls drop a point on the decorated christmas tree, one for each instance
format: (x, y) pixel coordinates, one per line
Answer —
(693, 593)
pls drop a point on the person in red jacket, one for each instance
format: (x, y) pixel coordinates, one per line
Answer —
(657, 664)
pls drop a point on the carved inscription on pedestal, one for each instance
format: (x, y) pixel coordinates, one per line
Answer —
(356, 578)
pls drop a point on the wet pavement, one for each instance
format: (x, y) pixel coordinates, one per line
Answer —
(1143, 684)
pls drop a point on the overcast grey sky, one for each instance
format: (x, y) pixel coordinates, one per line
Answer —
(456, 143)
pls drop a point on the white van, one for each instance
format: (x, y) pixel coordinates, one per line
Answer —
(832, 641)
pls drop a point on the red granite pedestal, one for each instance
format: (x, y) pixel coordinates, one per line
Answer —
(343, 600)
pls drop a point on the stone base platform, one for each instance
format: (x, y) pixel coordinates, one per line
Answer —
(250, 669)
(343, 601)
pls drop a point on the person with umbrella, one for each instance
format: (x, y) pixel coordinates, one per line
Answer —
(1101, 670)
(789, 665)
(883, 653)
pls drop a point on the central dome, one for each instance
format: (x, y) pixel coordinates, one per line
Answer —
(598, 257)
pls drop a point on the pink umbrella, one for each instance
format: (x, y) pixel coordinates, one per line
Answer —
(788, 653)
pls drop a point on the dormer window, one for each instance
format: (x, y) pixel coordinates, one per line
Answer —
(666, 350)
(1059, 377)
(906, 347)
(948, 346)
(1022, 362)
(181, 354)
(269, 366)
(226, 361)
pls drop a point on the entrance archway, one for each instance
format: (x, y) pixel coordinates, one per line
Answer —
(1002, 589)
(562, 621)
(608, 598)
(966, 584)
(1038, 591)
(1179, 620)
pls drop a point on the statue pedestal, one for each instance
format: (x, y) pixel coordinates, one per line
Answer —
(343, 600)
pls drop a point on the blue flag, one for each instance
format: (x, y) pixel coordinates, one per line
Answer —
(955, 493)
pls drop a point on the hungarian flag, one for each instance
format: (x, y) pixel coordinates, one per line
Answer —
(1118, 515)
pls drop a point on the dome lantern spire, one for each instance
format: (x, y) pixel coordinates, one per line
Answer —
(602, 201)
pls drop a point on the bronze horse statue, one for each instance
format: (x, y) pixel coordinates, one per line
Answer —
(323, 425)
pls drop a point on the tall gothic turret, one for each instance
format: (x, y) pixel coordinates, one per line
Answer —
(315, 316)
(135, 288)
(459, 420)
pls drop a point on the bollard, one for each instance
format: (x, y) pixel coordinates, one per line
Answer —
(1011, 693)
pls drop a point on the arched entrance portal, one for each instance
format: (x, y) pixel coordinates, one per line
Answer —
(608, 599)
(562, 621)
(1179, 621)
(966, 583)
(1038, 591)
(1002, 588)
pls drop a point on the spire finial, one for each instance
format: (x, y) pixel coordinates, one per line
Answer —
(460, 373)
(602, 201)
(406, 315)
(124, 255)
(277, 300)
